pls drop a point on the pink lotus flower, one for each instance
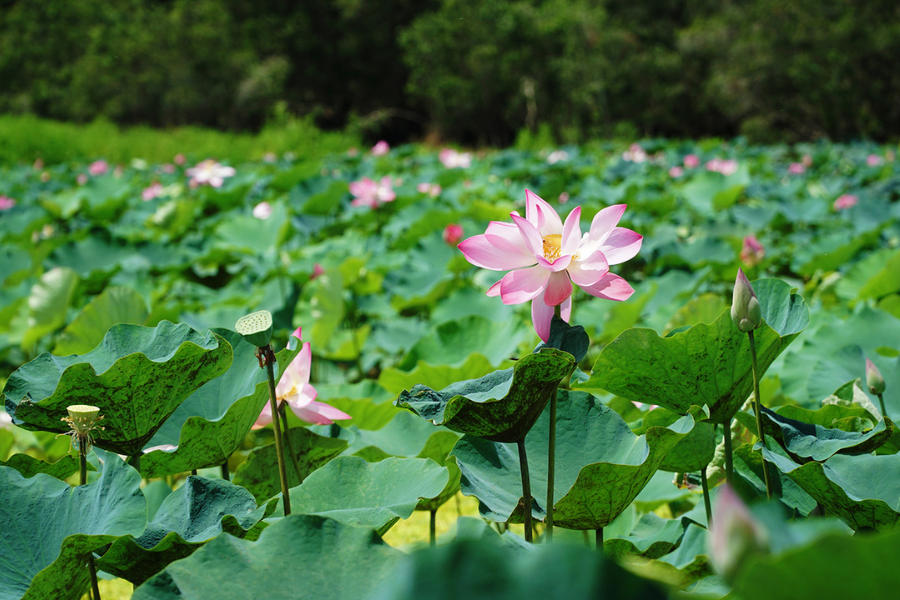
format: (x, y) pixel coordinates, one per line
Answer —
(736, 535)
(796, 168)
(676, 172)
(432, 189)
(263, 210)
(807, 161)
(179, 159)
(6, 202)
(452, 159)
(38, 164)
(317, 272)
(81, 179)
(557, 156)
(725, 167)
(295, 389)
(873, 160)
(752, 251)
(564, 197)
(635, 153)
(547, 256)
(209, 172)
(691, 161)
(845, 201)
(98, 167)
(168, 168)
(152, 191)
(371, 193)
(452, 234)
(381, 148)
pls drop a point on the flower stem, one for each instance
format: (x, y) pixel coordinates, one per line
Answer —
(282, 473)
(599, 538)
(551, 465)
(290, 445)
(225, 474)
(705, 483)
(729, 460)
(881, 401)
(526, 488)
(756, 406)
(82, 464)
(432, 527)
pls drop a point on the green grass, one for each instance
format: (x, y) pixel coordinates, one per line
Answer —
(24, 139)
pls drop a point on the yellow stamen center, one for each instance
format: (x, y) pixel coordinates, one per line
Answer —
(552, 245)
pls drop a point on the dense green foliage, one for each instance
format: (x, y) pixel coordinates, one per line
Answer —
(464, 69)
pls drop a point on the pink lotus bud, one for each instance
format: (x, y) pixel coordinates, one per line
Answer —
(796, 169)
(745, 309)
(81, 179)
(38, 165)
(752, 252)
(807, 161)
(676, 172)
(873, 160)
(317, 271)
(98, 167)
(845, 201)
(6, 202)
(564, 197)
(179, 159)
(736, 536)
(263, 210)
(381, 148)
(452, 234)
(691, 161)
(874, 379)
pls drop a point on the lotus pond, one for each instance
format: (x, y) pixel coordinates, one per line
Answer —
(692, 397)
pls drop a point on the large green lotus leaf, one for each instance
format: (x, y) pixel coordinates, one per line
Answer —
(749, 480)
(29, 466)
(833, 566)
(863, 490)
(568, 338)
(138, 376)
(813, 442)
(189, 517)
(651, 537)
(686, 564)
(692, 453)
(301, 556)
(213, 422)
(376, 495)
(259, 473)
(49, 527)
(452, 343)
(486, 570)
(49, 303)
(601, 466)
(707, 364)
(501, 406)
(434, 376)
(115, 305)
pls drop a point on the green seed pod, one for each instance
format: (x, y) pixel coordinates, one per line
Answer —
(256, 328)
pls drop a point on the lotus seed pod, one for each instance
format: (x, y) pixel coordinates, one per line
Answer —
(256, 328)
(873, 378)
(745, 309)
(83, 417)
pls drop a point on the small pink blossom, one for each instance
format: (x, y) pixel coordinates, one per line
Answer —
(381, 148)
(38, 164)
(98, 167)
(179, 160)
(295, 389)
(726, 167)
(81, 179)
(452, 234)
(6, 202)
(557, 156)
(167, 168)
(691, 161)
(262, 211)
(452, 159)
(371, 193)
(432, 189)
(796, 168)
(545, 257)
(873, 160)
(752, 251)
(564, 197)
(317, 272)
(635, 153)
(676, 172)
(735, 536)
(209, 172)
(807, 161)
(845, 201)
(152, 191)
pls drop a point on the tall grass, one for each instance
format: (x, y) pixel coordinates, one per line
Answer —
(24, 139)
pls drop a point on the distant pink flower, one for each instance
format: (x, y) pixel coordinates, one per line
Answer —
(263, 210)
(432, 189)
(845, 201)
(167, 168)
(452, 234)
(352, 152)
(807, 161)
(81, 179)
(635, 153)
(38, 164)
(98, 167)
(152, 191)
(725, 167)
(381, 148)
(452, 159)
(6, 202)
(371, 193)
(676, 172)
(564, 197)
(752, 251)
(317, 272)
(796, 169)
(873, 160)
(557, 156)
(295, 389)
(545, 256)
(179, 159)
(270, 157)
(691, 161)
(209, 172)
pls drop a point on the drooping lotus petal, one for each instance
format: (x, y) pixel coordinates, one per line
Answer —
(610, 287)
(621, 245)
(523, 284)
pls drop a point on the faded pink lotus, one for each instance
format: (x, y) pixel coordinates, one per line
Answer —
(295, 389)
(676, 172)
(452, 234)
(317, 272)
(371, 193)
(563, 197)
(152, 191)
(179, 159)
(845, 201)
(263, 210)
(98, 167)
(752, 252)
(432, 189)
(691, 161)
(545, 256)
(209, 172)
(724, 166)
(452, 159)
(635, 153)
(381, 148)
(873, 160)
(797, 168)
(6, 202)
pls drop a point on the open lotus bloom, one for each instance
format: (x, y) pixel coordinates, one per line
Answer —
(547, 256)
(371, 193)
(209, 172)
(295, 389)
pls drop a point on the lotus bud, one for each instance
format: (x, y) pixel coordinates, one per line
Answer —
(745, 309)
(256, 328)
(873, 378)
(736, 536)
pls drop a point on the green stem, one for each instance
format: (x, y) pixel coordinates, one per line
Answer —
(729, 460)
(225, 474)
(290, 444)
(881, 401)
(587, 539)
(599, 538)
(551, 465)
(282, 473)
(82, 468)
(706, 501)
(135, 461)
(432, 527)
(526, 488)
(756, 406)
